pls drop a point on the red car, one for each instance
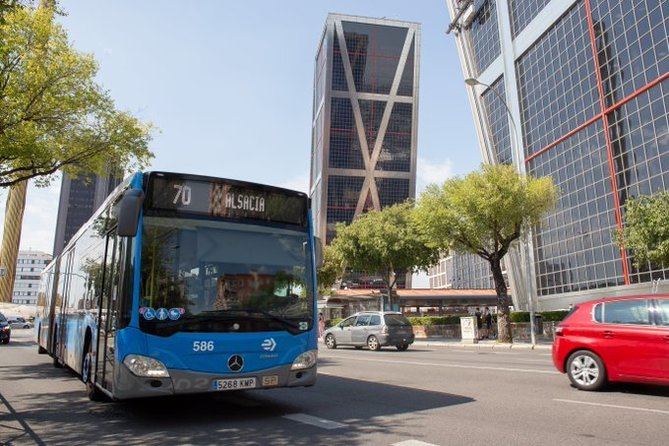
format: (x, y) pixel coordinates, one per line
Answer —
(615, 339)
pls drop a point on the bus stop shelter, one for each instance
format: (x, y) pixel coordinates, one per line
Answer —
(343, 303)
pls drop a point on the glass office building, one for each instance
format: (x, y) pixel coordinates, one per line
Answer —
(79, 198)
(577, 90)
(365, 109)
(461, 271)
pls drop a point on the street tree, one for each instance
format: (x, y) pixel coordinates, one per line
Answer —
(646, 231)
(331, 270)
(53, 114)
(387, 243)
(483, 214)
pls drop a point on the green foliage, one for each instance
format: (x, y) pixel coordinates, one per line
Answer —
(646, 231)
(428, 321)
(546, 316)
(331, 270)
(386, 241)
(53, 114)
(554, 316)
(519, 316)
(484, 212)
(332, 322)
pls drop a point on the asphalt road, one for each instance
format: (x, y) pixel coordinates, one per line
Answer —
(422, 396)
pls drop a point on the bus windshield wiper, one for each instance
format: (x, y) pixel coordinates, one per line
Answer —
(284, 321)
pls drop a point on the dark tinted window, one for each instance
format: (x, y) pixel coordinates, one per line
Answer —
(376, 319)
(362, 320)
(627, 312)
(663, 312)
(396, 319)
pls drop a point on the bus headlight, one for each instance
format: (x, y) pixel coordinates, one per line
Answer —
(305, 360)
(146, 367)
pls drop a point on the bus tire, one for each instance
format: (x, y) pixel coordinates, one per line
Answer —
(40, 350)
(94, 394)
(56, 361)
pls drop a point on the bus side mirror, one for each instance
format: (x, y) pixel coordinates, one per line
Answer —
(128, 212)
(318, 248)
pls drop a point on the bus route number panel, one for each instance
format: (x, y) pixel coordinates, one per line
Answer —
(227, 200)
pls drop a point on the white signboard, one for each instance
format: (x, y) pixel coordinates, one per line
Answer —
(468, 329)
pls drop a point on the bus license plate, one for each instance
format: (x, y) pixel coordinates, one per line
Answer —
(234, 384)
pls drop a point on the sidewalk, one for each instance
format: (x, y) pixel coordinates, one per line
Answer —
(485, 344)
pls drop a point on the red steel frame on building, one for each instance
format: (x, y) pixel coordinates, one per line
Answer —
(603, 115)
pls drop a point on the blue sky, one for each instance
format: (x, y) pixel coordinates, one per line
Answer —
(229, 85)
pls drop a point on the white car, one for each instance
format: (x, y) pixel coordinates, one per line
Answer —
(19, 322)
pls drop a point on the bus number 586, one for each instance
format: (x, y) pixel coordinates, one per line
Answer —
(203, 346)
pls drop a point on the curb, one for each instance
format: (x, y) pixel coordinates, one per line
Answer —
(457, 345)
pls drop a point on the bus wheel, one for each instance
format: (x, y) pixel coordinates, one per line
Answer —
(94, 394)
(41, 350)
(56, 362)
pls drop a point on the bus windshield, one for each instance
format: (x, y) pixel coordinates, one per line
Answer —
(205, 275)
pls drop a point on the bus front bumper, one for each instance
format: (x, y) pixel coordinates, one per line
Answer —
(183, 382)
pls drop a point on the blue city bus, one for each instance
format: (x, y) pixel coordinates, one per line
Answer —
(185, 284)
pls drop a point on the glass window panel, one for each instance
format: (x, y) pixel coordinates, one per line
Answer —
(483, 35)
(522, 13)
(627, 312)
(556, 82)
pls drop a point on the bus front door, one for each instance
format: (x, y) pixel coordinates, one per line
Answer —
(108, 312)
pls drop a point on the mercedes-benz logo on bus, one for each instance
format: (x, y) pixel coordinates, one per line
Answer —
(235, 363)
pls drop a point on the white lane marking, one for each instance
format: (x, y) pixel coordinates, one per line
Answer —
(614, 406)
(314, 421)
(453, 366)
(413, 443)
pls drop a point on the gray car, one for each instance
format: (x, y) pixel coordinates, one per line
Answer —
(19, 322)
(373, 329)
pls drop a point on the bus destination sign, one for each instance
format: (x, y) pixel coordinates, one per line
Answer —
(218, 198)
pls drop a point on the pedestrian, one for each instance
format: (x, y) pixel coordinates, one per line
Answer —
(487, 317)
(321, 325)
(479, 322)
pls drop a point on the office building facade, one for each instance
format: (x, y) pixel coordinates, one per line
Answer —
(461, 272)
(364, 118)
(29, 266)
(577, 90)
(79, 198)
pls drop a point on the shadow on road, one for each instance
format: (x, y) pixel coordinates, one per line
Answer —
(227, 418)
(20, 338)
(637, 389)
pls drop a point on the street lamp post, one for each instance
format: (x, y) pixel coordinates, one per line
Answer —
(472, 82)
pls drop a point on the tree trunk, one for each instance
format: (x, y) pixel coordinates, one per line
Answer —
(503, 302)
(391, 289)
